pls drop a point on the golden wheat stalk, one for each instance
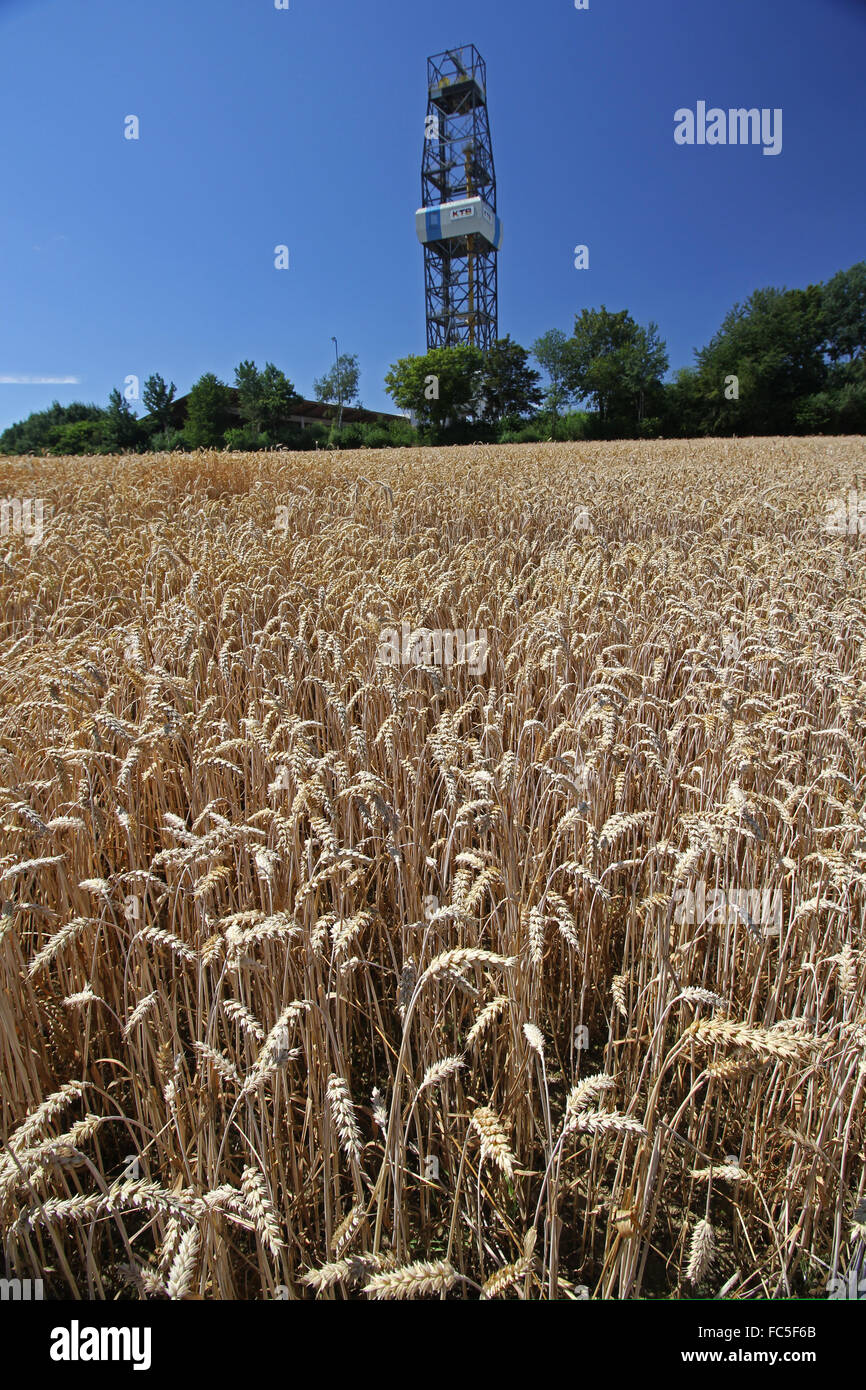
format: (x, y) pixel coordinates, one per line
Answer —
(418, 1280)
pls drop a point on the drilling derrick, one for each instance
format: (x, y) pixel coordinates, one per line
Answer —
(457, 223)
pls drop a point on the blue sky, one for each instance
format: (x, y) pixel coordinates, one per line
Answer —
(304, 127)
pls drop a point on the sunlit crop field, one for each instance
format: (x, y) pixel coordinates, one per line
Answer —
(523, 960)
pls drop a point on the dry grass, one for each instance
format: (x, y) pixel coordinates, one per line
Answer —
(297, 946)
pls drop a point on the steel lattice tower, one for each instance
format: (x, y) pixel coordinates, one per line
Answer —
(457, 223)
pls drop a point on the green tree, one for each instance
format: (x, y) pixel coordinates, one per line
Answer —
(773, 346)
(245, 439)
(552, 352)
(35, 434)
(340, 384)
(79, 437)
(122, 429)
(440, 388)
(843, 314)
(684, 406)
(158, 400)
(267, 398)
(170, 441)
(841, 409)
(207, 415)
(509, 386)
(401, 434)
(616, 364)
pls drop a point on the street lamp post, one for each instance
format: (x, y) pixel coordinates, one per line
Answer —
(339, 384)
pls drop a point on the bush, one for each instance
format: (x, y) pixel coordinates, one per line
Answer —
(463, 432)
(246, 439)
(577, 424)
(375, 436)
(840, 411)
(402, 434)
(313, 437)
(649, 428)
(530, 433)
(545, 426)
(618, 427)
(79, 437)
(349, 437)
(170, 442)
(574, 425)
(37, 433)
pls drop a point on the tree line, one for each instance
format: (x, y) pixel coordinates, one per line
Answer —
(256, 414)
(783, 362)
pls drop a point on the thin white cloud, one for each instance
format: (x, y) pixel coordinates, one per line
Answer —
(39, 380)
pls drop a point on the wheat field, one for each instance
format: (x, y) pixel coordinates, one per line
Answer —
(534, 977)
